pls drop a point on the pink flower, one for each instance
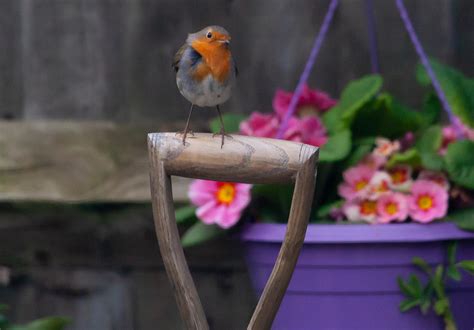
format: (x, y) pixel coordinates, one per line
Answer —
(309, 130)
(407, 140)
(374, 161)
(386, 147)
(428, 201)
(448, 136)
(219, 203)
(311, 102)
(261, 125)
(356, 181)
(379, 185)
(437, 177)
(361, 210)
(401, 178)
(392, 206)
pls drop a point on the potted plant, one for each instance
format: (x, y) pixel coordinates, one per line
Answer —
(393, 184)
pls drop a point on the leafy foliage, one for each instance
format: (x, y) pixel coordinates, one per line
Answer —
(464, 219)
(353, 98)
(47, 323)
(200, 232)
(459, 90)
(459, 162)
(337, 147)
(433, 293)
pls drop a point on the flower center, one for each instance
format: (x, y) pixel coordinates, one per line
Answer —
(425, 202)
(399, 176)
(367, 207)
(360, 185)
(226, 193)
(382, 187)
(307, 110)
(391, 208)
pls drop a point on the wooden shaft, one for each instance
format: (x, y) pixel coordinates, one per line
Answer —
(243, 159)
(280, 277)
(172, 253)
(277, 161)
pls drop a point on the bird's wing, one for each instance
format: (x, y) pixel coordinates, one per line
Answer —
(177, 57)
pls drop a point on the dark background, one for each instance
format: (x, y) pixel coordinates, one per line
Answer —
(110, 60)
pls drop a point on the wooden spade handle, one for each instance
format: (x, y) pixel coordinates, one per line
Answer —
(242, 159)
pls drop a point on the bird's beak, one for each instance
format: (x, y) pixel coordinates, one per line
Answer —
(225, 40)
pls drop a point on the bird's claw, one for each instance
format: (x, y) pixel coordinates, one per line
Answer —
(185, 134)
(223, 134)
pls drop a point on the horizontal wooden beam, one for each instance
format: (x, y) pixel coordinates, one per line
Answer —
(79, 162)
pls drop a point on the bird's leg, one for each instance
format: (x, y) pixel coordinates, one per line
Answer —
(222, 132)
(185, 133)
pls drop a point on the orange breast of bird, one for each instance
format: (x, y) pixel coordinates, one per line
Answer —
(216, 61)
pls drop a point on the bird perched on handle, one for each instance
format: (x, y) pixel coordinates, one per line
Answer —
(205, 71)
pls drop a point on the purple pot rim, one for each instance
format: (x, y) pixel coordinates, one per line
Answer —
(359, 233)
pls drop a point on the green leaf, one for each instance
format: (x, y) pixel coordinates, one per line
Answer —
(453, 273)
(48, 323)
(231, 122)
(337, 147)
(185, 213)
(432, 161)
(430, 110)
(459, 90)
(409, 157)
(459, 161)
(441, 306)
(358, 93)
(408, 304)
(404, 287)
(325, 210)
(430, 140)
(415, 284)
(422, 264)
(467, 265)
(353, 98)
(464, 219)
(437, 280)
(451, 252)
(200, 233)
(387, 117)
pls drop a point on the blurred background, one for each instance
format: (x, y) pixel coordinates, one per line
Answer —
(82, 81)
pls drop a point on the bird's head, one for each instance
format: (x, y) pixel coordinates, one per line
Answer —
(211, 36)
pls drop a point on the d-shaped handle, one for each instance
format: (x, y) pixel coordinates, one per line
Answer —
(242, 159)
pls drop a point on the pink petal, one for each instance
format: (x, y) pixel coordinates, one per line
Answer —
(202, 191)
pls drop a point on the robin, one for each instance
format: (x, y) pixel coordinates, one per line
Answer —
(205, 71)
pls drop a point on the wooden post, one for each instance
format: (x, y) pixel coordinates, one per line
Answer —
(242, 159)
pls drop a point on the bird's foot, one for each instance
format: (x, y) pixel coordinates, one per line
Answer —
(223, 134)
(185, 134)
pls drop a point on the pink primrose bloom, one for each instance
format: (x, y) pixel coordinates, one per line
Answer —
(219, 203)
(360, 210)
(261, 125)
(401, 178)
(428, 201)
(392, 206)
(356, 182)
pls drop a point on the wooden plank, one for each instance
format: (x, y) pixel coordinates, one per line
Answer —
(92, 299)
(10, 60)
(59, 161)
(97, 236)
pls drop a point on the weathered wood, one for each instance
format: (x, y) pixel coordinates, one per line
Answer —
(243, 159)
(56, 161)
(110, 59)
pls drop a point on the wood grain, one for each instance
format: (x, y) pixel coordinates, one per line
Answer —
(243, 159)
(80, 162)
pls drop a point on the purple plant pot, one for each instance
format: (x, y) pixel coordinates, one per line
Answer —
(346, 276)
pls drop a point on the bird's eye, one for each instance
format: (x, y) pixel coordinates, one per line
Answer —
(209, 35)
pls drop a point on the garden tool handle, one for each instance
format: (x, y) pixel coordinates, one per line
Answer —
(242, 159)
